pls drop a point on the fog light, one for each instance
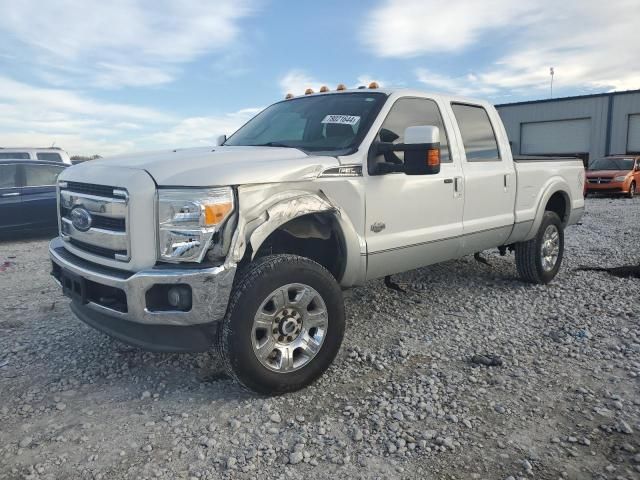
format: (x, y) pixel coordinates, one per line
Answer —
(179, 297)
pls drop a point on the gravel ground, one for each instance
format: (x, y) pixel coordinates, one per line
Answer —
(402, 400)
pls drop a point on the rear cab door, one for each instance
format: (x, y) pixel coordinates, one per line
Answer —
(39, 203)
(489, 176)
(10, 197)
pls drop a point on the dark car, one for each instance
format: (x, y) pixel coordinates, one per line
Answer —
(28, 195)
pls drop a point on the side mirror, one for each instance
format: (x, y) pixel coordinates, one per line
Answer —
(421, 150)
(220, 140)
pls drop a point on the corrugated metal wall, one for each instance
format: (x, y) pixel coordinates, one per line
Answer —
(595, 108)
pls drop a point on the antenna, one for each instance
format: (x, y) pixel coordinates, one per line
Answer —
(551, 72)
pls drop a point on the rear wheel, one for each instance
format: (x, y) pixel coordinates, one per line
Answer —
(538, 260)
(284, 324)
(632, 190)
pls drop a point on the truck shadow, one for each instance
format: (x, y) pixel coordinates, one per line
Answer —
(625, 271)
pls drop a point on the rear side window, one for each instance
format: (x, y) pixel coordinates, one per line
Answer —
(8, 176)
(53, 157)
(478, 137)
(40, 175)
(14, 156)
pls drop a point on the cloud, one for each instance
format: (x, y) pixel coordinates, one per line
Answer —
(297, 81)
(120, 43)
(36, 116)
(195, 131)
(591, 44)
(467, 85)
(39, 102)
(408, 28)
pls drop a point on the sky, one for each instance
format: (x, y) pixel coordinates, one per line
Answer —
(105, 77)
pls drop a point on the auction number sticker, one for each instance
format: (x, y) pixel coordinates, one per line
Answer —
(342, 119)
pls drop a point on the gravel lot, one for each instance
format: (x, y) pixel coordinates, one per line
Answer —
(403, 399)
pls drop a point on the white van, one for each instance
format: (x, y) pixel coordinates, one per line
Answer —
(52, 154)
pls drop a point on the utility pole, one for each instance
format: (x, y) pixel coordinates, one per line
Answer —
(551, 72)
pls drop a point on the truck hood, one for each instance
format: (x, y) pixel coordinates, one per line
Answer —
(209, 166)
(606, 173)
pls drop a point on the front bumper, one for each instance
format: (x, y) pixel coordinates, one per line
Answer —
(611, 187)
(210, 287)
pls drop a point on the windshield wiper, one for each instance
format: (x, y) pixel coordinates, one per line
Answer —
(273, 144)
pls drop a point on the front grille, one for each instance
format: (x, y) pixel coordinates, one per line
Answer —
(599, 180)
(96, 250)
(106, 234)
(91, 189)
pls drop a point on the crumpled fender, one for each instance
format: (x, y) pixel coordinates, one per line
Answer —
(256, 224)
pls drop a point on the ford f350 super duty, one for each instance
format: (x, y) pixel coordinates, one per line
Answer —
(247, 246)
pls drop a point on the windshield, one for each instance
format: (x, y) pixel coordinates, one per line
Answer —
(334, 124)
(612, 164)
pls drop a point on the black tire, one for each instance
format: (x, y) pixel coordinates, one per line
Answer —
(529, 254)
(254, 285)
(632, 190)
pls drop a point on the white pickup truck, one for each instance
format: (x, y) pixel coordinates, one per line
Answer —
(247, 246)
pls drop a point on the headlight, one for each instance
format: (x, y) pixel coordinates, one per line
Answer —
(621, 178)
(188, 219)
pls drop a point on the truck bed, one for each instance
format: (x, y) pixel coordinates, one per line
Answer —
(534, 174)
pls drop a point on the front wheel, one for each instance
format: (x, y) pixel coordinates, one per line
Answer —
(284, 324)
(632, 190)
(538, 260)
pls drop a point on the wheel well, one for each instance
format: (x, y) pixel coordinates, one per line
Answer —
(558, 204)
(316, 236)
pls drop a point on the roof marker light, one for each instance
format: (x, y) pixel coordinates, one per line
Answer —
(341, 86)
(374, 85)
(308, 91)
(288, 96)
(324, 88)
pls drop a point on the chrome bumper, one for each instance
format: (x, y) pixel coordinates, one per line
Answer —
(210, 287)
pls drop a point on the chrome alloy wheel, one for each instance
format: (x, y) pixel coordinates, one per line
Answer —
(289, 327)
(550, 248)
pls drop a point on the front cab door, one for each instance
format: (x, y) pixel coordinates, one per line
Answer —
(411, 221)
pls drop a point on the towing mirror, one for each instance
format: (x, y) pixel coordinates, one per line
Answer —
(422, 150)
(220, 140)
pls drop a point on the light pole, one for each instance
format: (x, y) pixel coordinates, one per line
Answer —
(551, 72)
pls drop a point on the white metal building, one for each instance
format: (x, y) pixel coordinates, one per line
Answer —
(588, 126)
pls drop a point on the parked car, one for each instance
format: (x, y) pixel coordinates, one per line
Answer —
(616, 174)
(52, 154)
(28, 195)
(248, 245)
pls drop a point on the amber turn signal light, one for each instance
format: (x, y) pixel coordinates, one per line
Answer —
(433, 157)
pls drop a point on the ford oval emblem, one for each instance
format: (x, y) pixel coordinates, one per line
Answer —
(81, 219)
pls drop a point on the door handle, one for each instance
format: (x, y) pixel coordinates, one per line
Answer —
(448, 180)
(458, 184)
(14, 194)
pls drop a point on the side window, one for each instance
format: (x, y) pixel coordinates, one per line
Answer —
(40, 175)
(8, 176)
(53, 157)
(410, 112)
(478, 137)
(14, 156)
